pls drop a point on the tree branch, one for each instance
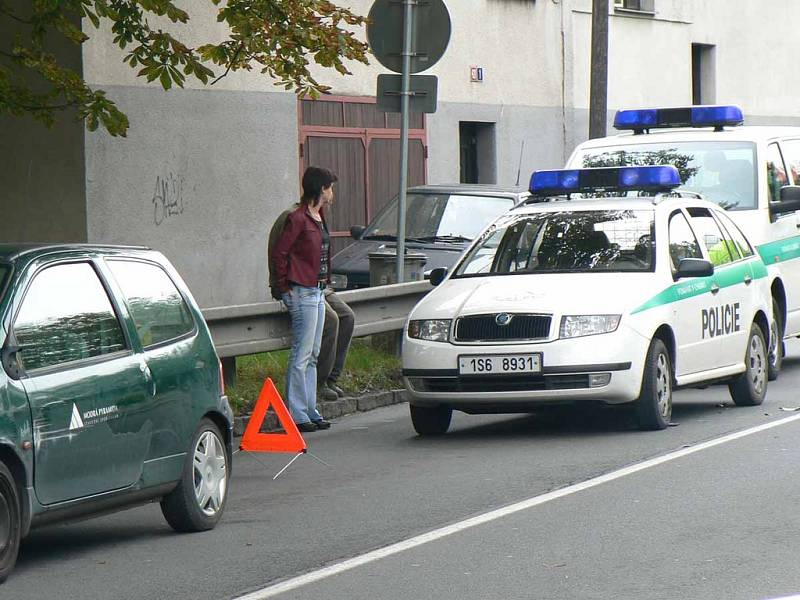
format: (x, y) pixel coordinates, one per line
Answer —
(230, 63)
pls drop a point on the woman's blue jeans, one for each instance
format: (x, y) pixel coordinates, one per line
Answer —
(307, 310)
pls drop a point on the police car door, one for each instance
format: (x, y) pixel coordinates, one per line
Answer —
(724, 317)
(692, 354)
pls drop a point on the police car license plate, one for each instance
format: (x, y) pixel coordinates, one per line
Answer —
(499, 364)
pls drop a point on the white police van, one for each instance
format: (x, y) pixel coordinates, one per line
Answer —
(753, 172)
(616, 299)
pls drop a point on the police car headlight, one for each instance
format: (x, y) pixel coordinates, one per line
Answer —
(579, 325)
(433, 330)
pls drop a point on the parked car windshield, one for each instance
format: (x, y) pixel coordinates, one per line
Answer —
(722, 172)
(564, 242)
(440, 217)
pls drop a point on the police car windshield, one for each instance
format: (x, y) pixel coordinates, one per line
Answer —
(564, 242)
(722, 172)
(439, 217)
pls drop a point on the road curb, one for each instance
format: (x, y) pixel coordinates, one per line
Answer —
(331, 409)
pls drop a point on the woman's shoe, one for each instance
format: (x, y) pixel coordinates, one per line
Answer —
(308, 426)
(322, 424)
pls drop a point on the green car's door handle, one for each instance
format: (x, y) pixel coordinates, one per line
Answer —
(714, 288)
(747, 279)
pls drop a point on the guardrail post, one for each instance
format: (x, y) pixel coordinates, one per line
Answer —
(229, 370)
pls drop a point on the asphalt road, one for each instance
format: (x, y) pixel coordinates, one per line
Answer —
(718, 523)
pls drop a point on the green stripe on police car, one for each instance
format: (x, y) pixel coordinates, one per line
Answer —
(723, 277)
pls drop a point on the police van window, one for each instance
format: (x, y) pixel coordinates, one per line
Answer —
(157, 307)
(682, 242)
(723, 172)
(791, 152)
(718, 246)
(81, 324)
(564, 242)
(733, 231)
(776, 173)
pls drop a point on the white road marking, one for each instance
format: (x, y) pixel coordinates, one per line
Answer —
(437, 534)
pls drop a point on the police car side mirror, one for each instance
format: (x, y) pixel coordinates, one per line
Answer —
(790, 201)
(356, 231)
(694, 267)
(438, 275)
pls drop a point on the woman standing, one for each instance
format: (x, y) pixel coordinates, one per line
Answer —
(302, 265)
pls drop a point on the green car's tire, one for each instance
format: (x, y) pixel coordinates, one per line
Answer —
(197, 503)
(10, 522)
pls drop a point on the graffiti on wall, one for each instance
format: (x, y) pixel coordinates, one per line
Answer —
(168, 200)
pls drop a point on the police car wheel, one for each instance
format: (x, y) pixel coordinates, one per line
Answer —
(10, 522)
(777, 349)
(750, 387)
(430, 420)
(654, 406)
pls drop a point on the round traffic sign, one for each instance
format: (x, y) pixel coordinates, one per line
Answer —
(429, 39)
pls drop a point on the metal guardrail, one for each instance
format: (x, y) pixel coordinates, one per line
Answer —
(264, 326)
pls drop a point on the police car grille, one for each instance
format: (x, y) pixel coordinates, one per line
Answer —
(502, 384)
(484, 328)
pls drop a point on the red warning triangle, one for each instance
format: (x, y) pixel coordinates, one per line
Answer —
(255, 441)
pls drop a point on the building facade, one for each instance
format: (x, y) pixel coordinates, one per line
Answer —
(205, 170)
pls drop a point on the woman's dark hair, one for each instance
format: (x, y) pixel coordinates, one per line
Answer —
(314, 180)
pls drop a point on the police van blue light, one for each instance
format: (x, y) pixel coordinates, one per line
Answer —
(640, 120)
(559, 182)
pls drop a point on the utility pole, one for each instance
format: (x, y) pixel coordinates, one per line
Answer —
(598, 86)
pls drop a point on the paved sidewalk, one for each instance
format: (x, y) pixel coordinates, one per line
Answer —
(332, 409)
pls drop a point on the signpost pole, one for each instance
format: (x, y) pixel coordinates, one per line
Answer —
(405, 92)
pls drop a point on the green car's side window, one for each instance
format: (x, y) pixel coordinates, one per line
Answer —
(65, 316)
(157, 307)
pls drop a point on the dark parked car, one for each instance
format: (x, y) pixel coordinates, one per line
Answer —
(441, 220)
(111, 392)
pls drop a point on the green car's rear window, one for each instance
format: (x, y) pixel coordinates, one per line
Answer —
(157, 307)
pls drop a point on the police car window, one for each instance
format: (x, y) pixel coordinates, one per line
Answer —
(741, 243)
(81, 324)
(564, 242)
(776, 172)
(718, 246)
(791, 152)
(682, 241)
(723, 172)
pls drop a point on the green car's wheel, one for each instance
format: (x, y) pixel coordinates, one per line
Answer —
(198, 501)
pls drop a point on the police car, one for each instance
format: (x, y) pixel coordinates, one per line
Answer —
(619, 298)
(753, 172)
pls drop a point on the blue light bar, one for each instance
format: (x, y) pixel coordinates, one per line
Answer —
(608, 179)
(691, 116)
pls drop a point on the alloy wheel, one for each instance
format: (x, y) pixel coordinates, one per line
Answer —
(210, 473)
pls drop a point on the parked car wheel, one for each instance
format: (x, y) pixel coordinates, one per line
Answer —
(750, 387)
(199, 500)
(10, 523)
(654, 406)
(777, 349)
(431, 420)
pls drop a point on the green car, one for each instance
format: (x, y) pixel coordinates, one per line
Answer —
(111, 392)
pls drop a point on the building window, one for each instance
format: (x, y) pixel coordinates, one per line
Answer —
(477, 152)
(361, 144)
(643, 6)
(704, 83)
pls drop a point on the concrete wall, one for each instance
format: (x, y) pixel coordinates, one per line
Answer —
(42, 188)
(201, 177)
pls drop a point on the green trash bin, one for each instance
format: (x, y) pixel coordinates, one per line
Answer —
(383, 267)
